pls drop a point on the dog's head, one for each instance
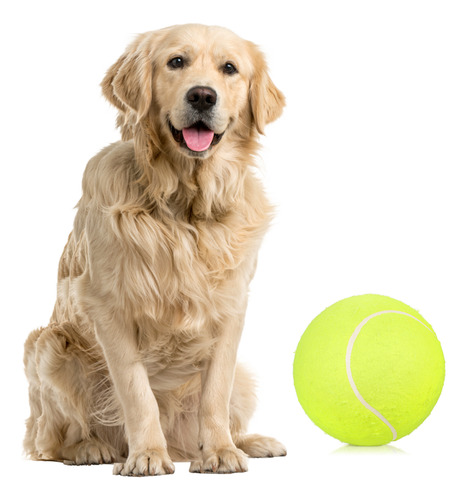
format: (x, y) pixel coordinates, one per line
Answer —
(196, 86)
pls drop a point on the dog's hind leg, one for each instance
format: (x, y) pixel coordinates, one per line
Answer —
(242, 405)
(35, 404)
(61, 368)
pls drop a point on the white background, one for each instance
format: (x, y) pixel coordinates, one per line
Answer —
(366, 168)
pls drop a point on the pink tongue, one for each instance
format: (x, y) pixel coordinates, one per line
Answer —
(198, 139)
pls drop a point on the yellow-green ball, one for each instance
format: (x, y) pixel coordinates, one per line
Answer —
(368, 370)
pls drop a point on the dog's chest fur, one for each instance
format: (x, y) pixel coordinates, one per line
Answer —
(175, 277)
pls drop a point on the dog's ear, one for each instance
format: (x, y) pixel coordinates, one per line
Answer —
(128, 82)
(266, 100)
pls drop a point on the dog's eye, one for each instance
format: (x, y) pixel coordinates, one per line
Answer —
(176, 63)
(229, 69)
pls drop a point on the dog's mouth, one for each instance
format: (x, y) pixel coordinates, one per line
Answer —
(197, 137)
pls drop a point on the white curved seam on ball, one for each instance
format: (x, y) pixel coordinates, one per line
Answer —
(349, 371)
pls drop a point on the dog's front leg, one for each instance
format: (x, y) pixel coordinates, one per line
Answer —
(147, 445)
(218, 452)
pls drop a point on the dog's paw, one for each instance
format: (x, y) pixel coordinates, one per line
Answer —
(146, 463)
(88, 453)
(223, 461)
(256, 446)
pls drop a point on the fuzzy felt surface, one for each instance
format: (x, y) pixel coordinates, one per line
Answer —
(396, 362)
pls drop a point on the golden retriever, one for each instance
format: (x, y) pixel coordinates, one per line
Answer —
(138, 364)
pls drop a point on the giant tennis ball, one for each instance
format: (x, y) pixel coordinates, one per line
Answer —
(368, 370)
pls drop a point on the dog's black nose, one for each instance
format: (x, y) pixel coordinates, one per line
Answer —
(202, 98)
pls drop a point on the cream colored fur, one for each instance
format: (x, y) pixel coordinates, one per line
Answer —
(138, 363)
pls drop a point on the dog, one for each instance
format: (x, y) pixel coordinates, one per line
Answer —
(138, 364)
